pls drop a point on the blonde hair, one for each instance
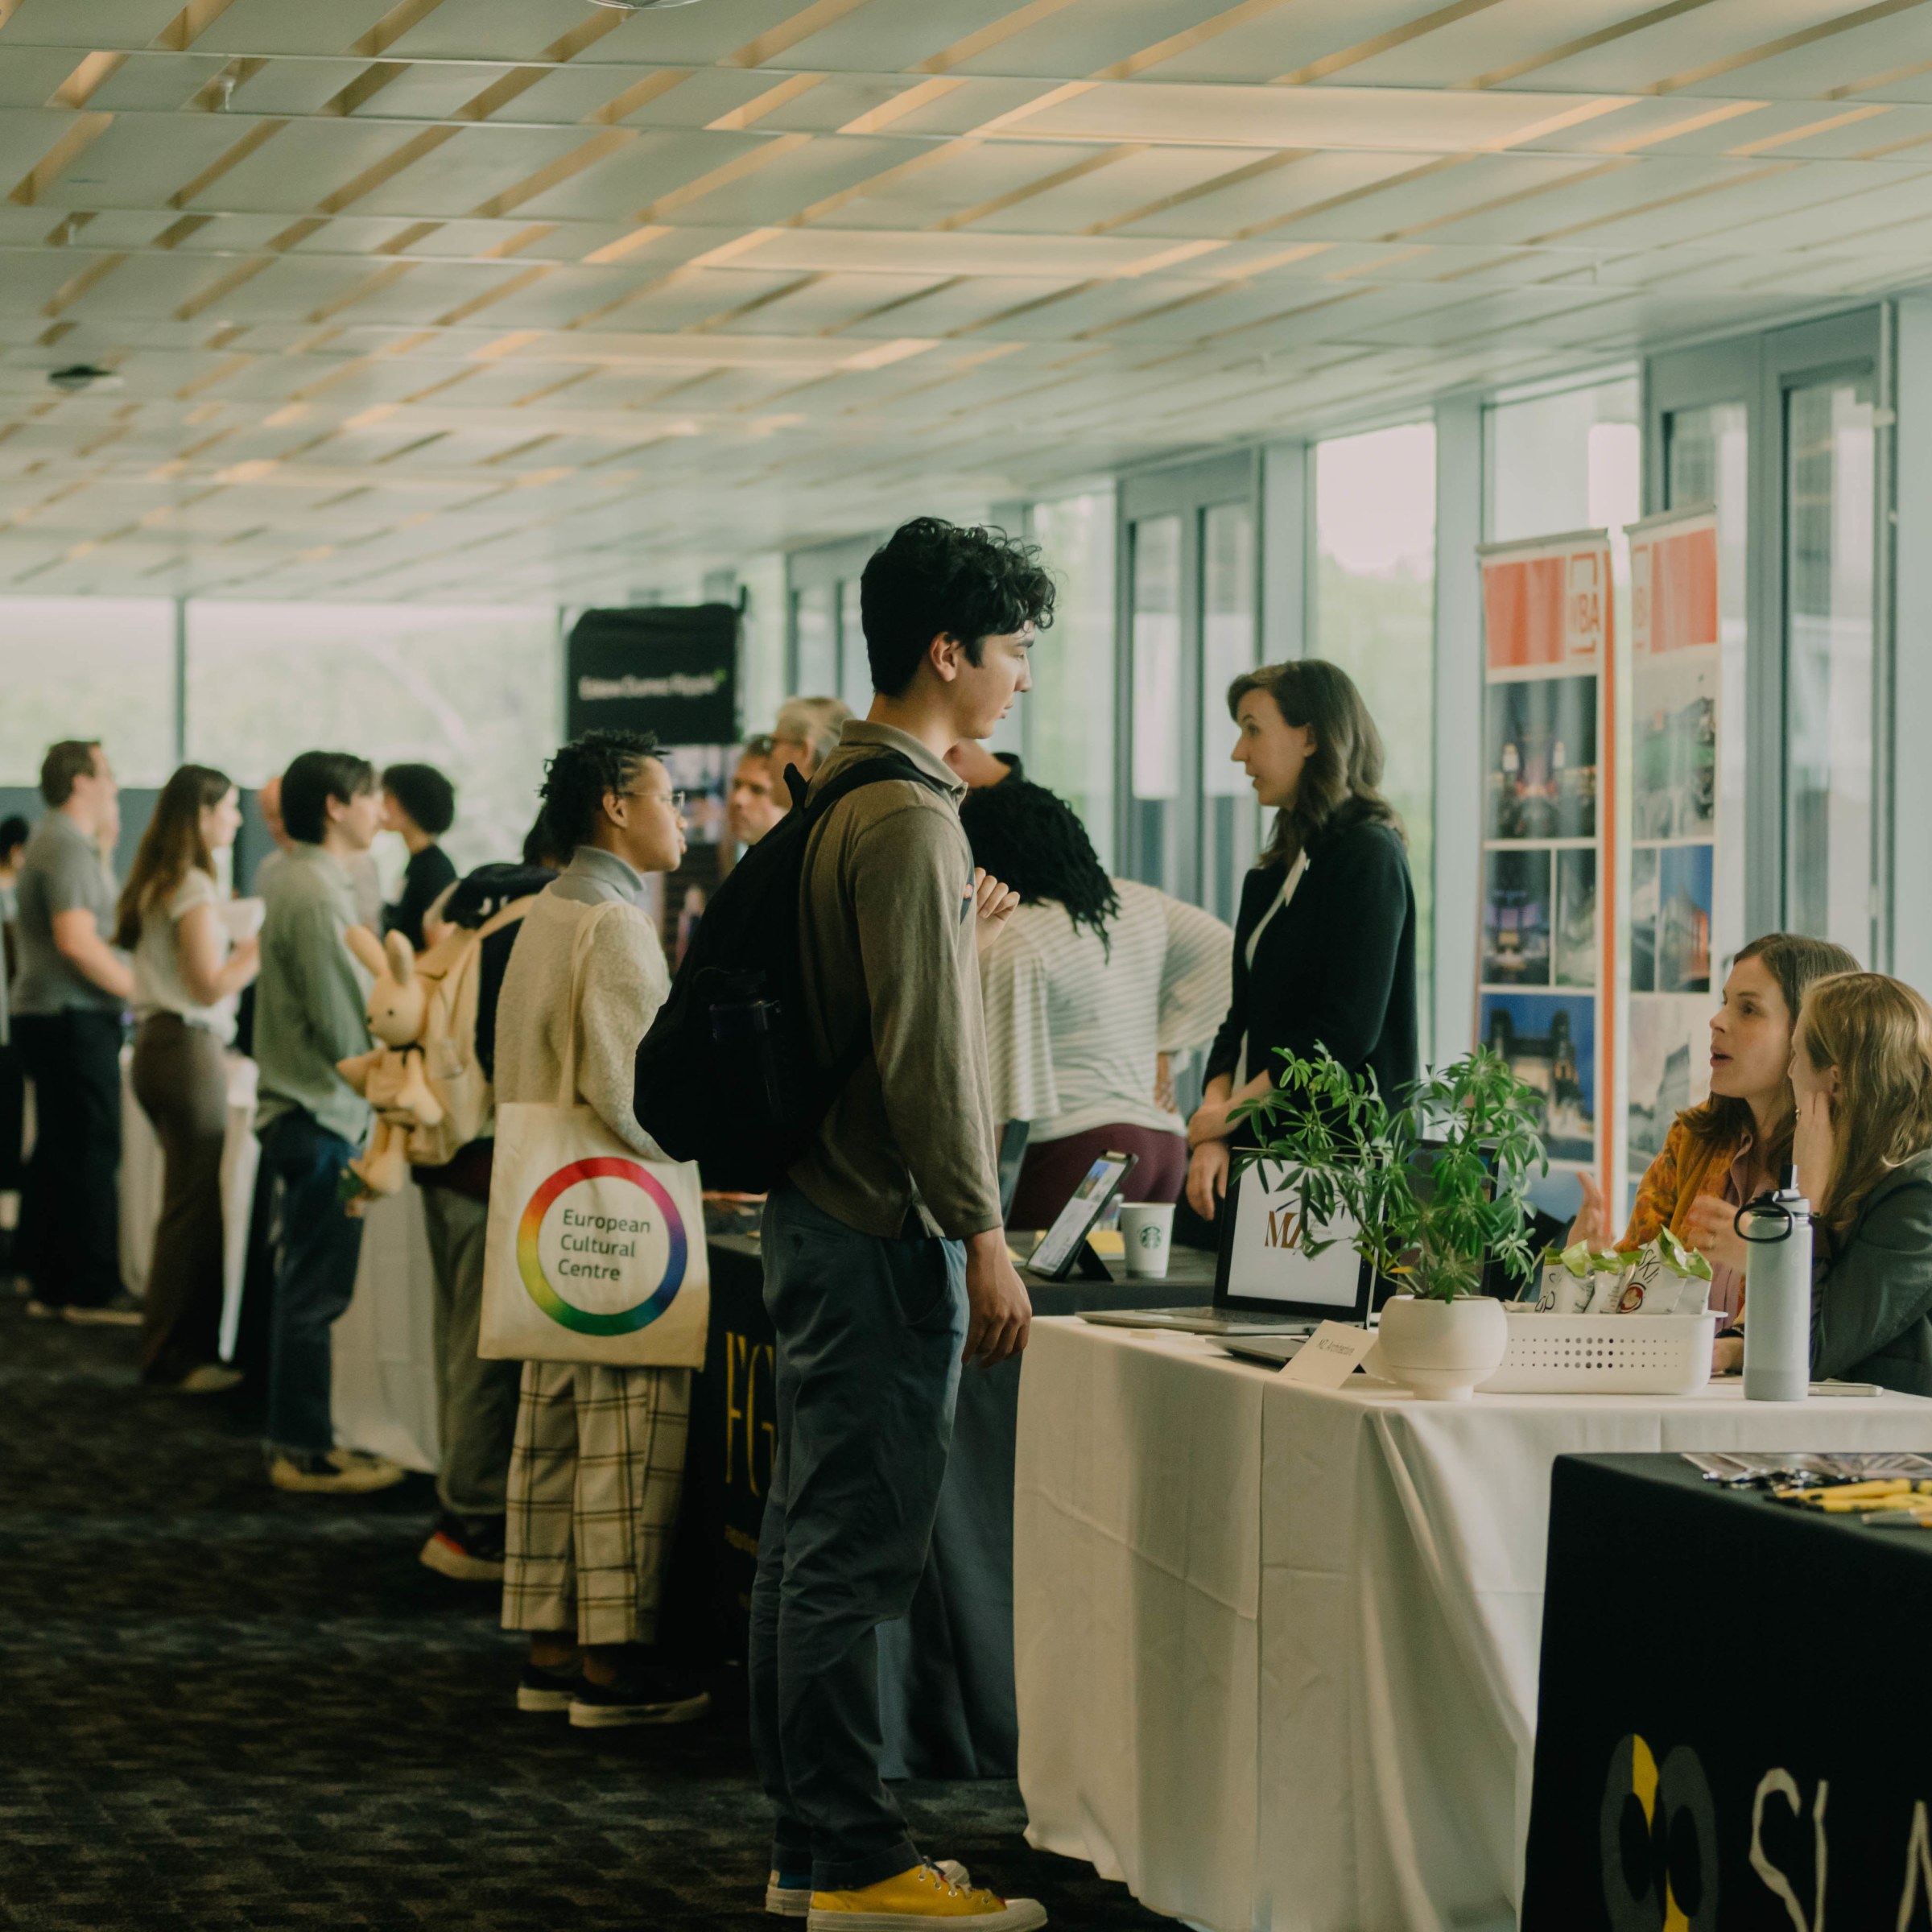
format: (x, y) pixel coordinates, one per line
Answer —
(814, 723)
(1341, 783)
(1877, 1033)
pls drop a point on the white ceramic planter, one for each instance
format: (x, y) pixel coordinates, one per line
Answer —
(1444, 1350)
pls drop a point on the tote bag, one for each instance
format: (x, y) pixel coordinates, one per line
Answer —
(593, 1254)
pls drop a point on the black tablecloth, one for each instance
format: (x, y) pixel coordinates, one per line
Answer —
(946, 1670)
(1734, 1704)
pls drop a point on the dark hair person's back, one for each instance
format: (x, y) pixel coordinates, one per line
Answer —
(424, 793)
(1032, 839)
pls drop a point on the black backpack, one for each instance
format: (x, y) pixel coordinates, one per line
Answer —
(727, 1075)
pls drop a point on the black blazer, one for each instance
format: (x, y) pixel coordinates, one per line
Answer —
(1336, 967)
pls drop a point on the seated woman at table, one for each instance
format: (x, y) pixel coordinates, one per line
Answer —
(1088, 987)
(1737, 1142)
(1324, 945)
(1862, 1072)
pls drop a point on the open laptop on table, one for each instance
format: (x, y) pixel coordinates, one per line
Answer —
(1264, 1282)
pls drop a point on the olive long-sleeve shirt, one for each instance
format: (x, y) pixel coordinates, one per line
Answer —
(890, 947)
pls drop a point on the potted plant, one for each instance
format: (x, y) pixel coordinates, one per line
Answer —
(1427, 1215)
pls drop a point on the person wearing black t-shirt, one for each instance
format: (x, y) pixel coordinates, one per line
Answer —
(420, 803)
(1324, 947)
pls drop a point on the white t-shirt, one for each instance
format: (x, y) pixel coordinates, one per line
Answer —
(158, 983)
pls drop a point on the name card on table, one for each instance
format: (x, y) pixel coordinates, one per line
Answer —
(1330, 1356)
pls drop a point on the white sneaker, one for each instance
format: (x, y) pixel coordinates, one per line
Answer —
(789, 1896)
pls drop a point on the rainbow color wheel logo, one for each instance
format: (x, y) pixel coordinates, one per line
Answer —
(530, 1256)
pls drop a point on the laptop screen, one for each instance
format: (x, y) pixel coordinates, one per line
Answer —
(1264, 1268)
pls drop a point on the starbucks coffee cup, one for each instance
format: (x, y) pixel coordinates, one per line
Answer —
(1146, 1234)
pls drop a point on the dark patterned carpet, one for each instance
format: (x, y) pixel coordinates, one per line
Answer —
(221, 1707)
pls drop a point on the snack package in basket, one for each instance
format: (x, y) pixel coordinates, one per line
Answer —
(1683, 1277)
(1568, 1282)
(1619, 1292)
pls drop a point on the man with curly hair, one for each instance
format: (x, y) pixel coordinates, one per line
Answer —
(886, 1260)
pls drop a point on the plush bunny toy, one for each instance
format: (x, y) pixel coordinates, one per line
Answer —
(391, 1079)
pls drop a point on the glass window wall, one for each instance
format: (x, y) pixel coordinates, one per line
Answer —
(1157, 816)
(1068, 716)
(1375, 616)
(89, 668)
(472, 690)
(1830, 544)
(1230, 822)
(815, 641)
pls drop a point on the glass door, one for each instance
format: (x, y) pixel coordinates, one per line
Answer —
(1830, 548)
(1188, 592)
(1230, 823)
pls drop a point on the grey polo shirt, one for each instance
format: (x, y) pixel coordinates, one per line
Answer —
(310, 996)
(62, 870)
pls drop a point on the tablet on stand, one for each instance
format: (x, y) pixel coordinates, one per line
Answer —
(1065, 1245)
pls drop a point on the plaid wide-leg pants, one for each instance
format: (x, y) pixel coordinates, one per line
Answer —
(595, 1473)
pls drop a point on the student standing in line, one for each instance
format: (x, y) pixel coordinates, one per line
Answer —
(476, 1398)
(188, 972)
(597, 1472)
(750, 809)
(309, 1005)
(420, 803)
(1324, 946)
(883, 1247)
(73, 990)
(1089, 987)
(806, 731)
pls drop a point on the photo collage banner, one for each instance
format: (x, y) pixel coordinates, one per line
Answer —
(1684, 900)
(1546, 976)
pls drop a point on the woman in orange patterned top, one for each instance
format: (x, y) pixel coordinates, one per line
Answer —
(1733, 1145)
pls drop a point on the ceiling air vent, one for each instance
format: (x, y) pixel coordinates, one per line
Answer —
(78, 375)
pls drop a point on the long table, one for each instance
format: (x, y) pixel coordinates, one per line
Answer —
(1277, 1648)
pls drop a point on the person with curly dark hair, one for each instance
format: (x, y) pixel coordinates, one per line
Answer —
(1091, 988)
(420, 803)
(886, 1260)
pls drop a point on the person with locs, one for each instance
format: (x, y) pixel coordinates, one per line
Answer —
(73, 987)
(596, 1468)
(309, 1005)
(885, 1261)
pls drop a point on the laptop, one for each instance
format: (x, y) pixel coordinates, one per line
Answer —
(1264, 1282)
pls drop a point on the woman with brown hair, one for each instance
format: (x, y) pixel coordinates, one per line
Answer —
(1324, 946)
(1738, 1141)
(1861, 1069)
(186, 974)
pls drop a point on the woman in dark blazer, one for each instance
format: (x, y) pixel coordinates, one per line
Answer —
(1324, 949)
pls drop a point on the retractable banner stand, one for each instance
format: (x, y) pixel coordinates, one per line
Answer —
(1546, 974)
(1687, 886)
(672, 671)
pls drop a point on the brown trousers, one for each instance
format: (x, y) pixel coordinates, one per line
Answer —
(181, 1081)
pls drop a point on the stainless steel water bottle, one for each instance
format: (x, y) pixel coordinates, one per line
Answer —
(1778, 1293)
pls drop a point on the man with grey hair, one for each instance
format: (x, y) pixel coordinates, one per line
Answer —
(807, 729)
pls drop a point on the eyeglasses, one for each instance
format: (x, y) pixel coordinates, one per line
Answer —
(674, 799)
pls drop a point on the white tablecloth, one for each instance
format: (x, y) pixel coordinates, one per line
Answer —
(384, 1385)
(1276, 1648)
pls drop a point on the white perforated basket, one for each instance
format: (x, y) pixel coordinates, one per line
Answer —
(1606, 1354)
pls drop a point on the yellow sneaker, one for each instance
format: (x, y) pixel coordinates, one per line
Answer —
(917, 1900)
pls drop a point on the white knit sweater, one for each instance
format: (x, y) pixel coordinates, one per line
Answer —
(625, 982)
